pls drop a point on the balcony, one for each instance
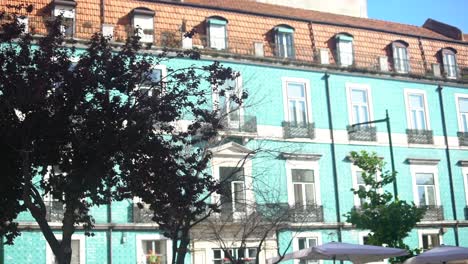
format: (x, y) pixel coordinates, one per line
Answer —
(240, 124)
(143, 215)
(54, 211)
(362, 133)
(306, 214)
(293, 130)
(433, 213)
(419, 136)
(463, 138)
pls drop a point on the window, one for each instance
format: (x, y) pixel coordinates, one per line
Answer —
(304, 187)
(465, 179)
(78, 250)
(143, 24)
(307, 242)
(449, 63)
(230, 110)
(359, 103)
(24, 22)
(426, 189)
(359, 184)
(416, 110)
(296, 101)
(248, 255)
(66, 9)
(232, 179)
(400, 57)
(304, 240)
(153, 81)
(425, 184)
(364, 240)
(462, 107)
(217, 33)
(344, 48)
(153, 248)
(303, 183)
(429, 239)
(284, 41)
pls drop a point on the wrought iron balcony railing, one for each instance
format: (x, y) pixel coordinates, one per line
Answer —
(294, 130)
(306, 214)
(433, 212)
(362, 133)
(143, 215)
(463, 138)
(241, 124)
(419, 136)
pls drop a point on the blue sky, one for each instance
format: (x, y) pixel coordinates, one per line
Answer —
(415, 12)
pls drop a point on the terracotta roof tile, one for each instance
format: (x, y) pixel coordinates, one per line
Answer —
(316, 16)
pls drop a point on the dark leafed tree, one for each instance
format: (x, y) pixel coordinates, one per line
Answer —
(85, 128)
(388, 220)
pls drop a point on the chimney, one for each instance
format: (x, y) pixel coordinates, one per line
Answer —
(443, 29)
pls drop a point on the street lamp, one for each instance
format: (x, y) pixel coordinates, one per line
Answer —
(389, 132)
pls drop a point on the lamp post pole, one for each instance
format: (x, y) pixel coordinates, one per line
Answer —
(389, 132)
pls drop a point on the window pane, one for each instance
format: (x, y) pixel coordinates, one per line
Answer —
(296, 90)
(302, 175)
(424, 178)
(252, 253)
(359, 96)
(416, 101)
(359, 178)
(292, 112)
(302, 243)
(463, 105)
(430, 193)
(216, 253)
(217, 36)
(310, 194)
(75, 245)
(298, 197)
(301, 121)
(422, 195)
(312, 242)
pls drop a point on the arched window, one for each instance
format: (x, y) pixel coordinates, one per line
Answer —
(217, 32)
(449, 61)
(143, 23)
(344, 49)
(284, 41)
(400, 56)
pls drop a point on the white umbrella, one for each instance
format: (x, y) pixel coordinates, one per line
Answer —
(440, 254)
(344, 251)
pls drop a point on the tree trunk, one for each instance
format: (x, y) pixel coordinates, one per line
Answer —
(183, 247)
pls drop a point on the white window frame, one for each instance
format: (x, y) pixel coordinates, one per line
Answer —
(402, 62)
(446, 53)
(50, 255)
(163, 70)
(216, 104)
(422, 232)
(141, 256)
(409, 121)
(370, 107)
(306, 82)
(148, 25)
(459, 96)
(306, 234)
(354, 170)
(234, 161)
(307, 165)
(67, 12)
(215, 41)
(464, 171)
(361, 236)
(345, 59)
(234, 249)
(433, 169)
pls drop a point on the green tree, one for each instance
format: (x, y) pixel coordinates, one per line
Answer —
(86, 133)
(388, 219)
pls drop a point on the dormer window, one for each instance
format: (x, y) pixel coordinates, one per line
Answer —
(284, 41)
(66, 9)
(400, 57)
(344, 49)
(143, 24)
(217, 33)
(449, 63)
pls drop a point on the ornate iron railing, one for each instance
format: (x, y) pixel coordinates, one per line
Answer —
(362, 133)
(419, 136)
(433, 212)
(293, 130)
(463, 138)
(242, 124)
(306, 214)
